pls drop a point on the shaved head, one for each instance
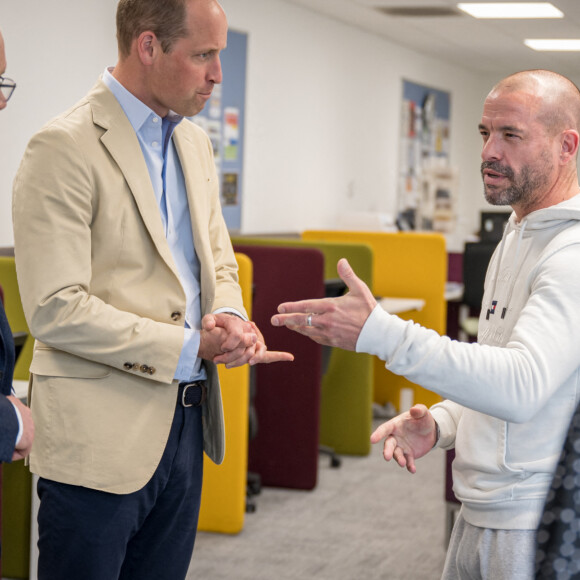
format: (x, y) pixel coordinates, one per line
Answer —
(558, 98)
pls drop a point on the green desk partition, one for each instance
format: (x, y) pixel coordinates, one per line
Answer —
(16, 513)
(16, 478)
(347, 384)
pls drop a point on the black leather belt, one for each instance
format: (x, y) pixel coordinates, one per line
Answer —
(192, 394)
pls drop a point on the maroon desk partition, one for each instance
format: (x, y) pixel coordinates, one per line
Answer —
(284, 451)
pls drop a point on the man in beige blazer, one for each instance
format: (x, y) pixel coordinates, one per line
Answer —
(111, 285)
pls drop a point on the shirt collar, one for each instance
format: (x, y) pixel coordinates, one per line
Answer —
(137, 112)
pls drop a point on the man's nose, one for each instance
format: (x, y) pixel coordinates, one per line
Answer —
(491, 149)
(216, 71)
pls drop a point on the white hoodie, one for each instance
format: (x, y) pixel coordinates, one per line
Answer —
(511, 395)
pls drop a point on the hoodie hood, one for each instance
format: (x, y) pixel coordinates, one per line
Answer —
(521, 240)
(549, 216)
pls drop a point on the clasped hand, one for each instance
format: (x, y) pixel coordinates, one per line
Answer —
(229, 340)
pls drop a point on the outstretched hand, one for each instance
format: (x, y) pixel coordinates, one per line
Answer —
(331, 321)
(408, 436)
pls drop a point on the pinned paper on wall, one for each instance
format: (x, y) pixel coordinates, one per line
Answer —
(214, 107)
(427, 183)
(223, 119)
(230, 189)
(231, 133)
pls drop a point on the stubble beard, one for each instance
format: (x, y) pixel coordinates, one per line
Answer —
(523, 186)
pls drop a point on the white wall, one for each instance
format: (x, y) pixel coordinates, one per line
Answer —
(323, 102)
(323, 118)
(55, 52)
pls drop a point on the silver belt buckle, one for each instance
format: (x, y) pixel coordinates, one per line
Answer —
(183, 395)
(203, 393)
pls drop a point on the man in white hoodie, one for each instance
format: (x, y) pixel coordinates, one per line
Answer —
(509, 398)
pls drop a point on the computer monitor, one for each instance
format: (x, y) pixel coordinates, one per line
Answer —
(492, 225)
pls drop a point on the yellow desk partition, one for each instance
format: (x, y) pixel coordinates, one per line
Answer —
(223, 496)
(405, 265)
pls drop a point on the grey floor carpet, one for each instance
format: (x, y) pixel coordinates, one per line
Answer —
(366, 520)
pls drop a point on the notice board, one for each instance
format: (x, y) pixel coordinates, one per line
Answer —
(223, 119)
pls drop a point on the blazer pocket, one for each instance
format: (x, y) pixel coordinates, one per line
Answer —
(57, 363)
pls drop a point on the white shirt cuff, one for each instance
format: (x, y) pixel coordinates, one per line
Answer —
(20, 425)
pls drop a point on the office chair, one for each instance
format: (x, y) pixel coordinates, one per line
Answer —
(476, 257)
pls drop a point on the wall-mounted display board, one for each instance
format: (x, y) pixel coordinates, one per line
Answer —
(223, 119)
(427, 184)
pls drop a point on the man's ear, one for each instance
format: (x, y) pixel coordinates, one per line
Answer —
(568, 145)
(147, 47)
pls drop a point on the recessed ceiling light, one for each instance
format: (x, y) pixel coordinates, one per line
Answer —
(510, 9)
(554, 44)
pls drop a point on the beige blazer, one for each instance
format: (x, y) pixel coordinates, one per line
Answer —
(102, 296)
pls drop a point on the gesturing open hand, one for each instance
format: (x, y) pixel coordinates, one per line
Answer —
(331, 321)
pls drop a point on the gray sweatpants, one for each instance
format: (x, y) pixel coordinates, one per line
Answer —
(485, 554)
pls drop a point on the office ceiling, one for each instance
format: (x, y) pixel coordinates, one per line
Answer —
(489, 46)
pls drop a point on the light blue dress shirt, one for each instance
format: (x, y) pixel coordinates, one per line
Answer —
(154, 135)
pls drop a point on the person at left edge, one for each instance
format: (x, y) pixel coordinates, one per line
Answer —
(129, 285)
(16, 426)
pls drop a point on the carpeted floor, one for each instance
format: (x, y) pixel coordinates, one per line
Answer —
(365, 520)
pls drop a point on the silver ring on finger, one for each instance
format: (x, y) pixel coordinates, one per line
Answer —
(309, 320)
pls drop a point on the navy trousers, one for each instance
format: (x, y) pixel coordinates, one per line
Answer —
(85, 534)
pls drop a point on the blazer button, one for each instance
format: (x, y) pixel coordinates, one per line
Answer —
(136, 366)
(176, 315)
(144, 369)
(128, 366)
(151, 370)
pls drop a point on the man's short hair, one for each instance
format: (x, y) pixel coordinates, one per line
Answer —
(165, 18)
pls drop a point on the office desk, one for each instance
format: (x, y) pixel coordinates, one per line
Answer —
(397, 305)
(453, 291)
(21, 390)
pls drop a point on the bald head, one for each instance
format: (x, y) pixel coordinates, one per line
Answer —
(556, 98)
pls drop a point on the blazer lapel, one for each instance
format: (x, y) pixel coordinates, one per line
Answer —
(120, 140)
(196, 183)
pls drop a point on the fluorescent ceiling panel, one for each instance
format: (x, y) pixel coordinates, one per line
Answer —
(554, 44)
(510, 9)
